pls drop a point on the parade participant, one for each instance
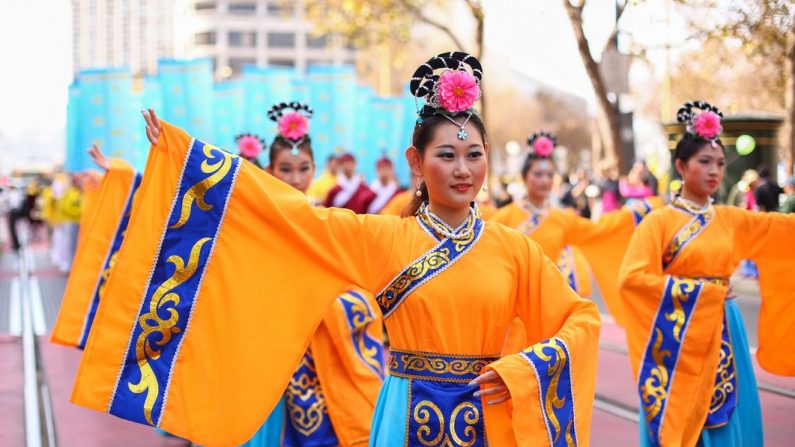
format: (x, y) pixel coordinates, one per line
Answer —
(249, 147)
(319, 188)
(209, 368)
(69, 207)
(351, 191)
(385, 185)
(331, 397)
(686, 339)
(602, 243)
(789, 203)
(97, 251)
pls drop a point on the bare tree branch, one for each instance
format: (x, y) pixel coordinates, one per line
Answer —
(417, 13)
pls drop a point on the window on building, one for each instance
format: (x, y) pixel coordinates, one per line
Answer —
(204, 6)
(282, 62)
(237, 63)
(280, 7)
(242, 39)
(318, 42)
(243, 8)
(204, 38)
(281, 40)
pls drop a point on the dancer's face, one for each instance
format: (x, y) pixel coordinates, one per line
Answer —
(452, 169)
(539, 180)
(295, 170)
(703, 172)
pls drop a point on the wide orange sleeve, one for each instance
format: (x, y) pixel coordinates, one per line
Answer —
(224, 274)
(642, 284)
(769, 239)
(551, 382)
(349, 356)
(101, 219)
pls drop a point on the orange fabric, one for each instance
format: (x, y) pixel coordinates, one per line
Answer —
(101, 219)
(219, 392)
(395, 206)
(349, 384)
(603, 242)
(583, 273)
(733, 234)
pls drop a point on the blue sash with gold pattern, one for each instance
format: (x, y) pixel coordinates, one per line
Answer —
(442, 410)
(724, 394)
(308, 423)
(567, 267)
(686, 235)
(661, 355)
(110, 260)
(551, 363)
(529, 225)
(360, 317)
(187, 241)
(431, 263)
(640, 208)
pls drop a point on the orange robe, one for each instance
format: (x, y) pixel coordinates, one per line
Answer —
(95, 254)
(677, 398)
(395, 206)
(603, 243)
(192, 299)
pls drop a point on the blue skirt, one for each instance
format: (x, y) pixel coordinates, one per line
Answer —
(745, 425)
(389, 419)
(270, 434)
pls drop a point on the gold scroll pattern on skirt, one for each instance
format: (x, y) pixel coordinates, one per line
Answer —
(362, 318)
(725, 375)
(425, 433)
(303, 387)
(680, 291)
(553, 401)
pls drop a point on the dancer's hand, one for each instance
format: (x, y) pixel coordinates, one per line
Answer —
(730, 294)
(498, 391)
(99, 158)
(153, 126)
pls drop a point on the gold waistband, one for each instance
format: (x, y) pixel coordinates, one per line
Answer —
(438, 367)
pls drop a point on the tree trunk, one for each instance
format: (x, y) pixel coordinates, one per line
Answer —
(790, 104)
(611, 139)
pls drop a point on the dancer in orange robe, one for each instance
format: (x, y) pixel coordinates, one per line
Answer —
(687, 343)
(170, 348)
(97, 251)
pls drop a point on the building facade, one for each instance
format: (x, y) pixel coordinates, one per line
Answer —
(234, 33)
(131, 33)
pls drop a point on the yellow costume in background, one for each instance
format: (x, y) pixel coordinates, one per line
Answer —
(194, 362)
(319, 188)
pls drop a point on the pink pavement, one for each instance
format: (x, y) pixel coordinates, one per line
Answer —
(12, 401)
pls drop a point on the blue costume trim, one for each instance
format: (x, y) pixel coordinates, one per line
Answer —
(442, 409)
(360, 316)
(724, 395)
(307, 420)
(661, 355)
(197, 213)
(110, 260)
(639, 208)
(551, 363)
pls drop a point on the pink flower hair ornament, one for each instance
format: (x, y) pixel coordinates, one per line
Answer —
(249, 145)
(292, 119)
(542, 144)
(457, 91)
(293, 126)
(705, 125)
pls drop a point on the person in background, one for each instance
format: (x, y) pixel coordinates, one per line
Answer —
(766, 191)
(69, 208)
(789, 203)
(608, 184)
(320, 187)
(633, 187)
(249, 147)
(351, 190)
(575, 196)
(385, 186)
(646, 176)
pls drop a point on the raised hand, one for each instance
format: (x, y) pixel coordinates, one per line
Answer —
(99, 158)
(153, 126)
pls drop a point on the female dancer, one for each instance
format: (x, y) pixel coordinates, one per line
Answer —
(602, 243)
(450, 284)
(331, 397)
(687, 344)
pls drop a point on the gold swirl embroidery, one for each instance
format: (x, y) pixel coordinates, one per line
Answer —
(570, 434)
(653, 390)
(684, 236)
(422, 415)
(152, 323)
(640, 208)
(218, 171)
(725, 377)
(553, 401)
(431, 261)
(362, 318)
(106, 274)
(680, 291)
(436, 365)
(302, 388)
